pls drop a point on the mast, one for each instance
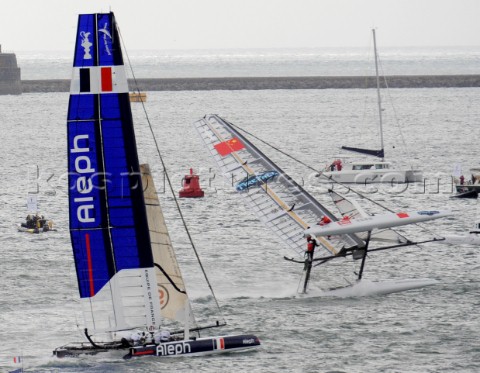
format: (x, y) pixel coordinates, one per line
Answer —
(379, 98)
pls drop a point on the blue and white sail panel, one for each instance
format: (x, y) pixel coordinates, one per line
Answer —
(108, 223)
(279, 202)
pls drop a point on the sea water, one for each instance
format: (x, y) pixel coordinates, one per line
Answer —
(433, 329)
(269, 62)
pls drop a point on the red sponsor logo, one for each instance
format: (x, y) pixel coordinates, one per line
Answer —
(402, 215)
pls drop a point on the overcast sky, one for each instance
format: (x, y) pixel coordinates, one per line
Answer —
(29, 25)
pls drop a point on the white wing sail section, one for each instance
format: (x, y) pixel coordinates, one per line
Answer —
(278, 201)
(350, 209)
(380, 221)
(173, 298)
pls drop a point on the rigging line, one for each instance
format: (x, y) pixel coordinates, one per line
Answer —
(320, 173)
(170, 184)
(397, 122)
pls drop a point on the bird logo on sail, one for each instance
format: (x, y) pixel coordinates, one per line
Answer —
(86, 44)
(106, 33)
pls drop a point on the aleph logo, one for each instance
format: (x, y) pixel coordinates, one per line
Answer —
(84, 184)
(106, 33)
(86, 44)
(166, 349)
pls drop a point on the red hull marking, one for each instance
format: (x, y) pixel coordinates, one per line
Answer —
(107, 84)
(90, 266)
(222, 344)
(143, 353)
(402, 215)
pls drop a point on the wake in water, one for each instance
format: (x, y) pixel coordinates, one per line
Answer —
(366, 288)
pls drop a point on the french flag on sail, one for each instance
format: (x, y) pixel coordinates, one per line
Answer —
(99, 79)
(106, 79)
(17, 359)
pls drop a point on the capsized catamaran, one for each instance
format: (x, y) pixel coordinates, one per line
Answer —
(378, 171)
(293, 214)
(128, 277)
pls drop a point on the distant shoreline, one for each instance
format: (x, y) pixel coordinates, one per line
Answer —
(269, 83)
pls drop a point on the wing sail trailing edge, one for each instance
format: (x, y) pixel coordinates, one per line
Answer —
(278, 201)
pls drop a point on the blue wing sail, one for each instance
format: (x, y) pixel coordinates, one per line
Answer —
(108, 222)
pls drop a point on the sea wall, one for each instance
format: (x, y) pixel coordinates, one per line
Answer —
(253, 83)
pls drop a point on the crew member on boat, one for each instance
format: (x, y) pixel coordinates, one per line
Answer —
(311, 244)
(29, 223)
(162, 337)
(324, 220)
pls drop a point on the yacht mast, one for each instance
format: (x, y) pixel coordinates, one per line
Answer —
(379, 99)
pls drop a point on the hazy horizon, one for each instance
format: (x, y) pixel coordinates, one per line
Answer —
(50, 25)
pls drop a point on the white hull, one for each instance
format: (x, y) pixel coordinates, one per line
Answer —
(365, 288)
(375, 176)
(467, 239)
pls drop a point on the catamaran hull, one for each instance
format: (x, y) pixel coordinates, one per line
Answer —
(201, 346)
(467, 239)
(365, 288)
(375, 176)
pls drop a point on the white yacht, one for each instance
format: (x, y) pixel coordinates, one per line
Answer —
(372, 171)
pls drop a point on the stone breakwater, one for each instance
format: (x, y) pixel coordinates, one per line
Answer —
(256, 83)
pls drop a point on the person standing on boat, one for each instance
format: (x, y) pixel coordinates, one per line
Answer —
(311, 244)
(462, 180)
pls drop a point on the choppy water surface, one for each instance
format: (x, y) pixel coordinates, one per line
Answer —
(434, 329)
